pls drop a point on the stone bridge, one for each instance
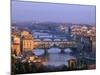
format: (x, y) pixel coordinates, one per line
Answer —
(46, 44)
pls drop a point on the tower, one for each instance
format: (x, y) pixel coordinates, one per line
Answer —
(27, 41)
(15, 46)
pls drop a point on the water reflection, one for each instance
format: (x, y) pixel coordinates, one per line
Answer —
(38, 52)
(58, 59)
(54, 56)
(54, 50)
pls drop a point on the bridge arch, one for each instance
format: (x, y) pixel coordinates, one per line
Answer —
(38, 52)
(49, 40)
(54, 50)
(67, 50)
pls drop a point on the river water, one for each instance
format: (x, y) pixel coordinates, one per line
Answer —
(58, 59)
(54, 57)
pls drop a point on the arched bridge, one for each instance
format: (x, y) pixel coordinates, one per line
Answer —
(46, 44)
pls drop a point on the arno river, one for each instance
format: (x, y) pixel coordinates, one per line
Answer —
(54, 57)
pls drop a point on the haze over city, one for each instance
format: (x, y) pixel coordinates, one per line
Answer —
(50, 12)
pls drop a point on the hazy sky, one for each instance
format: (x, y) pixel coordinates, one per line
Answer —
(46, 12)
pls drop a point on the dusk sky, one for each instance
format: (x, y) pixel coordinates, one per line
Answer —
(49, 12)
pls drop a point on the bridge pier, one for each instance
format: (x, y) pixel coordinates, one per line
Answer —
(62, 51)
(45, 52)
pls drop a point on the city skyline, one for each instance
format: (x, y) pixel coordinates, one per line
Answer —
(50, 12)
(48, 37)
